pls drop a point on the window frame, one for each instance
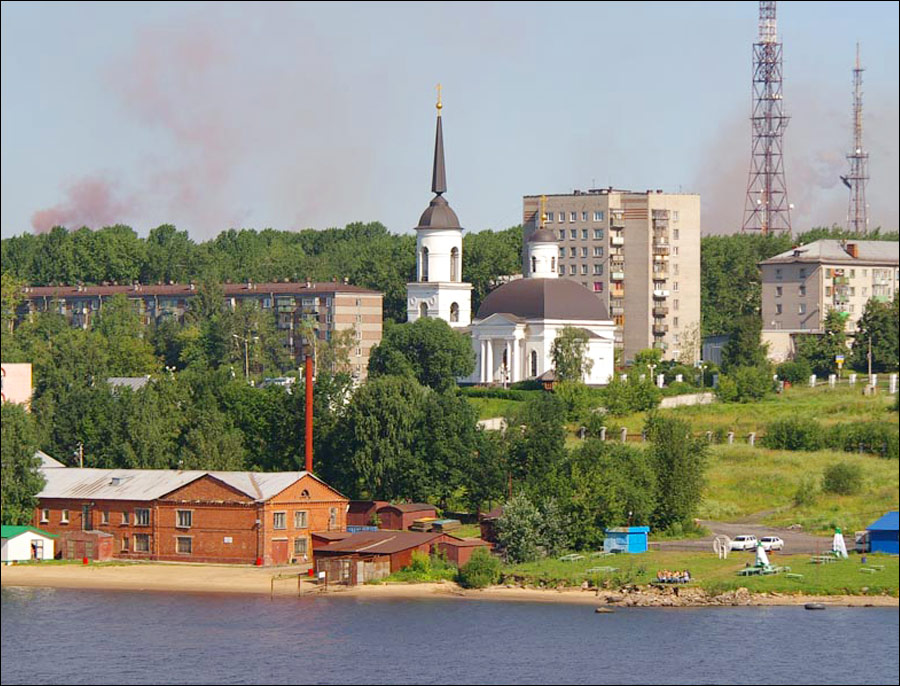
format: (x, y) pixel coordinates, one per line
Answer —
(280, 514)
(301, 522)
(179, 523)
(139, 517)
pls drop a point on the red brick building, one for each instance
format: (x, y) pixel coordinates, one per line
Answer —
(188, 516)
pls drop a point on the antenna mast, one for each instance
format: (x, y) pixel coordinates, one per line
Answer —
(856, 179)
(766, 208)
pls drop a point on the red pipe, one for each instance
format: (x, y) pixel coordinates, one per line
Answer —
(309, 413)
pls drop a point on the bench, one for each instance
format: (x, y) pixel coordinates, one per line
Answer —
(794, 575)
(601, 570)
(571, 557)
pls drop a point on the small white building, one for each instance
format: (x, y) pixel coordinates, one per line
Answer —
(516, 325)
(22, 543)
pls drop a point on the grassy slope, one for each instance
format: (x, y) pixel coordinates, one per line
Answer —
(717, 575)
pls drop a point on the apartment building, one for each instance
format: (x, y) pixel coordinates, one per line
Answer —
(639, 252)
(801, 285)
(330, 306)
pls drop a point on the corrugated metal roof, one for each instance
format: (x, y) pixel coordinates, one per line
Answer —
(150, 484)
(381, 542)
(408, 507)
(48, 462)
(834, 251)
(135, 383)
(888, 522)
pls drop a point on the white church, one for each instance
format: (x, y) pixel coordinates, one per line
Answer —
(514, 329)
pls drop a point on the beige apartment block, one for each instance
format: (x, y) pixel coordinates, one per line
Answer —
(800, 286)
(639, 252)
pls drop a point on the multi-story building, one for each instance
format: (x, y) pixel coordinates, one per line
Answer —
(329, 307)
(639, 253)
(801, 285)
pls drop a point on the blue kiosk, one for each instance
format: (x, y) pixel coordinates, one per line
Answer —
(626, 539)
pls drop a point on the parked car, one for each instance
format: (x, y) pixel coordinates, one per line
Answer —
(743, 542)
(771, 543)
(861, 539)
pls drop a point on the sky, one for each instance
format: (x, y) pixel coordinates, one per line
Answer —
(312, 115)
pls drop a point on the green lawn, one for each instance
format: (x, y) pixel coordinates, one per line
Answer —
(715, 575)
(488, 408)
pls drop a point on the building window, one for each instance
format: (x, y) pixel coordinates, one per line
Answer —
(573, 234)
(852, 273)
(675, 304)
(454, 264)
(865, 291)
(573, 216)
(184, 519)
(64, 517)
(301, 519)
(534, 361)
(142, 543)
(598, 251)
(126, 518)
(598, 286)
(778, 308)
(675, 321)
(141, 517)
(125, 543)
(454, 312)
(802, 272)
(598, 217)
(562, 234)
(598, 270)
(584, 251)
(45, 515)
(584, 234)
(573, 252)
(423, 310)
(332, 518)
(104, 517)
(301, 547)
(359, 352)
(572, 269)
(423, 266)
(777, 291)
(549, 216)
(778, 274)
(827, 272)
(553, 264)
(183, 545)
(562, 252)
(852, 309)
(279, 520)
(562, 269)
(584, 216)
(802, 291)
(676, 234)
(584, 269)
(674, 285)
(801, 308)
(598, 234)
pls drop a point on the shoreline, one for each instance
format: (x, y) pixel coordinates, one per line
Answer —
(172, 578)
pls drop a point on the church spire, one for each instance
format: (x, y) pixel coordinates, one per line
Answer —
(439, 175)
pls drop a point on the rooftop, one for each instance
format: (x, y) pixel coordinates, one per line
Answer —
(544, 299)
(381, 542)
(186, 290)
(13, 531)
(839, 252)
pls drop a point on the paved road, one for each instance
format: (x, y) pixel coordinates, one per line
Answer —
(794, 541)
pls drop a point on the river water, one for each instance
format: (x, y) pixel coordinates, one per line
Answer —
(94, 637)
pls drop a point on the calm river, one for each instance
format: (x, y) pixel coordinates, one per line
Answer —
(87, 637)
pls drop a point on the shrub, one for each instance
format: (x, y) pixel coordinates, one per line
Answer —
(797, 372)
(807, 492)
(843, 478)
(501, 393)
(688, 374)
(745, 384)
(793, 434)
(482, 569)
(577, 399)
(878, 438)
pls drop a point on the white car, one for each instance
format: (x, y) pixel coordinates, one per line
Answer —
(743, 543)
(771, 543)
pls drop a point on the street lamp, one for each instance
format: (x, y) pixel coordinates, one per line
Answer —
(246, 342)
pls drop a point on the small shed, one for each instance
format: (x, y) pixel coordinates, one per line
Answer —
(883, 534)
(402, 515)
(487, 522)
(626, 539)
(363, 512)
(21, 543)
(393, 547)
(459, 550)
(93, 545)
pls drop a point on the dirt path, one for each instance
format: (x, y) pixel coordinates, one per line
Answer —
(794, 541)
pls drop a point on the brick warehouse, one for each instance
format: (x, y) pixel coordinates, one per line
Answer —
(188, 516)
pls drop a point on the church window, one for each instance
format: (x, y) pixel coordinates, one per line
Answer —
(424, 265)
(423, 310)
(553, 263)
(454, 264)
(533, 264)
(534, 367)
(454, 312)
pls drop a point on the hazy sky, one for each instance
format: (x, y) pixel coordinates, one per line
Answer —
(212, 116)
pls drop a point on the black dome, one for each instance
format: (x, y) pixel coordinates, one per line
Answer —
(544, 299)
(542, 236)
(439, 215)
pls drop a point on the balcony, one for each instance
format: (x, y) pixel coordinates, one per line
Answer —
(617, 310)
(660, 329)
(660, 250)
(617, 240)
(660, 293)
(617, 220)
(617, 265)
(617, 276)
(660, 274)
(660, 311)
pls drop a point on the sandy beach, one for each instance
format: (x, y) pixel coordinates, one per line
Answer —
(172, 578)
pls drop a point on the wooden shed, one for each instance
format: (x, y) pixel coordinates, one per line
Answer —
(401, 516)
(459, 550)
(21, 543)
(396, 546)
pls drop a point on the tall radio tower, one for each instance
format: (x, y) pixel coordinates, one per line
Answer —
(766, 208)
(857, 214)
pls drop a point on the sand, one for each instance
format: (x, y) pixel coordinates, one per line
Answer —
(188, 578)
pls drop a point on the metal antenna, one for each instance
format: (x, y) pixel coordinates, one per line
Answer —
(858, 176)
(766, 208)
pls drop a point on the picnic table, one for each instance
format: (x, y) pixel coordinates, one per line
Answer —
(601, 570)
(572, 557)
(602, 553)
(822, 559)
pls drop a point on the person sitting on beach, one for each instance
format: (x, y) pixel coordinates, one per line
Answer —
(687, 576)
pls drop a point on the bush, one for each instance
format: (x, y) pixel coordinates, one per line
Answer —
(577, 399)
(501, 393)
(878, 438)
(624, 397)
(689, 375)
(843, 478)
(745, 384)
(807, 492)
(793, 434)
(482, 570)
(797, 372)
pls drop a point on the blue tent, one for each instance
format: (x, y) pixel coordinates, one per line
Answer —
(883, 534)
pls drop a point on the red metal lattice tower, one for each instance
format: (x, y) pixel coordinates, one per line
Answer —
(766, 208)
(858, 176)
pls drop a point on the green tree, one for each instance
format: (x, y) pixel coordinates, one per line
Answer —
(536, 440)
(519, 530)
(482, 570)
(489, 255)
(428, 350)
(880, 325)
(21, 480)
(679, 461)
(744, 347)
(820, 350)
(569, 354)
(128, 350)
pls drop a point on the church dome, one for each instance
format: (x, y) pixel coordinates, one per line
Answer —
(544, 299)
(542, 236)
(439, 215)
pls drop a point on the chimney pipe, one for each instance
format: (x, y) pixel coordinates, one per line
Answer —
(309, 414)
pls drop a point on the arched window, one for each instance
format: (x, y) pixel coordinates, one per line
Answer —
(423, 267)
(553, 264)
(533, 264)
(454, 311)
(454, 264)
(534, 363)
(423, 310)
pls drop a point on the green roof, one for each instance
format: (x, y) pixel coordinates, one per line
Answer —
(13, 531)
